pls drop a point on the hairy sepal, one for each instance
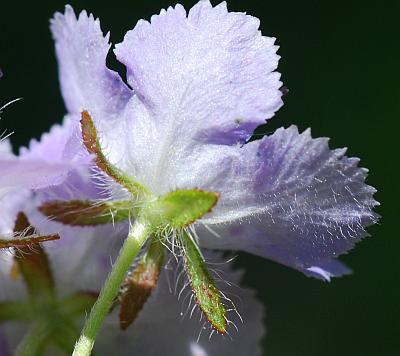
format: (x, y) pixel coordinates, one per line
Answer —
(139, 284)
(180, 208)
(33, 264)
(27, 240)
(92, 144)
(87, 213)
(208, 296)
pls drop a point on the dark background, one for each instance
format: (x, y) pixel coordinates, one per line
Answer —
(340, 62)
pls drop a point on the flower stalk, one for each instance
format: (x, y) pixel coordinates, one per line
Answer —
(138, 235)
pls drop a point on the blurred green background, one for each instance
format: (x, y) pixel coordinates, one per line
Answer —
(339, 61)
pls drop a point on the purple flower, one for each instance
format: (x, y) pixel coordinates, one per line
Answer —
(22, 173)
(81, 260)
(199, 84)
(55, 149)
(19, 174)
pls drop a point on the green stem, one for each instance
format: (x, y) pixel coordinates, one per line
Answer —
(32, 343)
(132, 245)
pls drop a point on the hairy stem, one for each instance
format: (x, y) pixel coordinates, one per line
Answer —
(132, 245)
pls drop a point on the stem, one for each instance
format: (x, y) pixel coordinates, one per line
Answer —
(132, 245)
(32, 342)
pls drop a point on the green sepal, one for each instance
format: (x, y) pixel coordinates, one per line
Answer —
(33, 263)
(179, 208)
(27, 240)
(207, 295)
(15, 311)
(86, 212)
(92, 144)
(139, 284)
